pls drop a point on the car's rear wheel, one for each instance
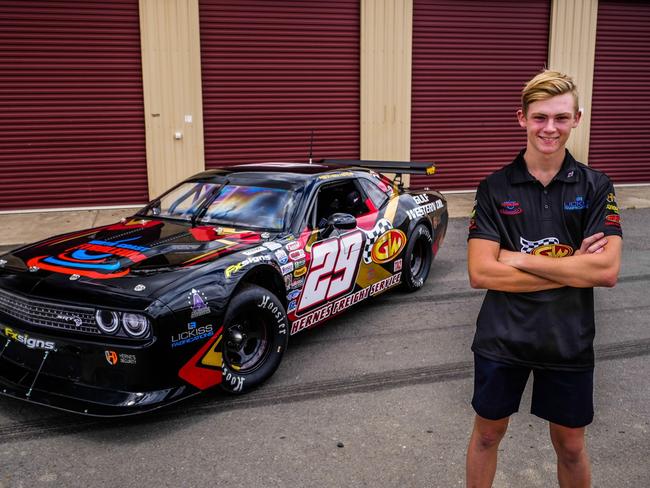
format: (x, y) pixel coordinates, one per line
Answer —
(255, 335)
(417, 258)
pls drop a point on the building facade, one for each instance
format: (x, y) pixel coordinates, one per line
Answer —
(106, 104)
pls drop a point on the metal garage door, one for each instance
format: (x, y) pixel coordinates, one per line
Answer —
(72, 124)
(470, 61)
(275, 71)
(620, 132)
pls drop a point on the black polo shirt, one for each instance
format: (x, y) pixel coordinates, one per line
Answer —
(552, 329)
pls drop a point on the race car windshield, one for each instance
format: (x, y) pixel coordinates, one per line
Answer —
(182, 202)
(251, 207)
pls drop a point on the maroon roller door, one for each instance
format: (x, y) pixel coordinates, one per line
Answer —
(470, 61)
(71, 105)
(272, 72)
(620, 132)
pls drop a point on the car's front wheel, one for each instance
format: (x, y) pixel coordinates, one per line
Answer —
(417, 258)
(255, 335)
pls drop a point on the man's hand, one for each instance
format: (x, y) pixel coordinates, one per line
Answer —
(593, 244)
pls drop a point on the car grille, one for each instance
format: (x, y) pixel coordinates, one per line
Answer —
(45, 314)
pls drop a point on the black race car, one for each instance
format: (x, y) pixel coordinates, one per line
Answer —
(203, 286)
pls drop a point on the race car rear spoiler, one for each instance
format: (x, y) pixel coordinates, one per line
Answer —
(397, 167)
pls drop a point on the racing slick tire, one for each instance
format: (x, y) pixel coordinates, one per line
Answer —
(255, 335)
(417, 258)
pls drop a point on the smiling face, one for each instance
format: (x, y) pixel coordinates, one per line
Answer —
(548, 124)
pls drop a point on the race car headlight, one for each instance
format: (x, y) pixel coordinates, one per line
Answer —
(135, 325)
(107, 321)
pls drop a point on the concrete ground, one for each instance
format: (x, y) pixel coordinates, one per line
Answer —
(26, 227)
(378, 397)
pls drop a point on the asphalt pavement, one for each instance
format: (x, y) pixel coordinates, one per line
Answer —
(378, 397)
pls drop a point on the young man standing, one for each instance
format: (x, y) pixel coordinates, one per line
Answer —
(538, 312)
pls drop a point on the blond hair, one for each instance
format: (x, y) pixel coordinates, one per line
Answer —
(548, 84)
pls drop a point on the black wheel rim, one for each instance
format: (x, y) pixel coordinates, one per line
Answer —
(246, 343)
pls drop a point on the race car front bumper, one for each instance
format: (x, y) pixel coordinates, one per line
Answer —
(71, 378)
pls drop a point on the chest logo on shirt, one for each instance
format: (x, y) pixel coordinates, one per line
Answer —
(510, 207)
(578, 204)
(549, 246)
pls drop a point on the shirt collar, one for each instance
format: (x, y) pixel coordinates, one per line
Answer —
(568, 172)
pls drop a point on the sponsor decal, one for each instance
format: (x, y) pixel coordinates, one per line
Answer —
(33, 269)
(510, 207)
(299, 264)
(114, 358)
(230, 270)
(578, 204)
(75, 319)
(333, 268)
(549, 246)
(612, 207)
(288, 278)
(297, 255)
(111, 357)
(388, 246)
(286, 268)
(297, 283)
(335, 175)
(611, 198)
(281, 256)
(293, 295)
(204, 369)
(292, 306)
(293, 246)
(343, 303)
(569, 174)
(74, 277)
(255, 250)
(140, 287)
(300, 272)
(198, 303)
(28, 341)
(94, 259)
(397, 265)
(421, 199)
(613, 219)
(193, 333)
(381, 227)
(272, 246)
(424, 210)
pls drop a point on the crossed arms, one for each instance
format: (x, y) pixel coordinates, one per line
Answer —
(596, 263)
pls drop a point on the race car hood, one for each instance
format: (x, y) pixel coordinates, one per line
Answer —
(114, 256)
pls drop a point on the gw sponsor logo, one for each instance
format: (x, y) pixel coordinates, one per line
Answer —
(192, 334)
(28, 341)
(424, 210)
(549, 246)
(388, 246)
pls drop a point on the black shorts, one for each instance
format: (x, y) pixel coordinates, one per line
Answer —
(561, 397)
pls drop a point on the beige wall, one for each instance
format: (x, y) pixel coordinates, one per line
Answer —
(386, 39)
(572, 48)
(171, 73)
